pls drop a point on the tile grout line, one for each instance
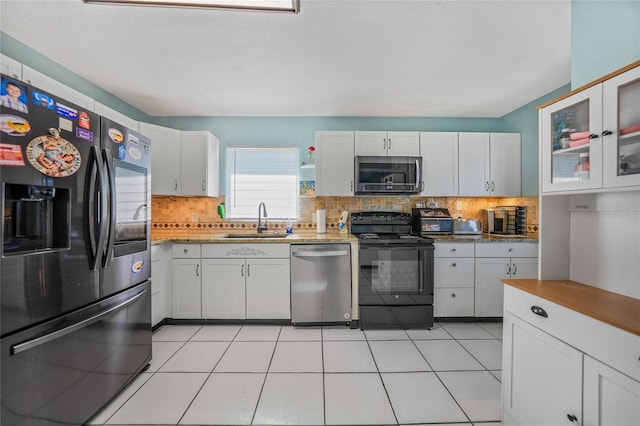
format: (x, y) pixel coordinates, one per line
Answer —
(266, 374)
(395, 416)
(208, 375)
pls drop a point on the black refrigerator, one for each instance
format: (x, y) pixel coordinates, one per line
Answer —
(75, 306)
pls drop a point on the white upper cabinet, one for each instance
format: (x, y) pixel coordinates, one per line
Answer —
(182, 163)
(116, 116)
(10, 67)
(570, 142)
(591, 139)
(387, 143)
(439, 163)
(334, 163)
(44, 82)
(489, 164)
(165, 158)
(199, 164)
(621, 130)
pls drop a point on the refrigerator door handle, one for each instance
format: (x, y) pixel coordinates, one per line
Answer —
(38, 341)
(95, 185)
(111, 210)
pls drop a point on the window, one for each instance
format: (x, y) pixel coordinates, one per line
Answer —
(256, 175)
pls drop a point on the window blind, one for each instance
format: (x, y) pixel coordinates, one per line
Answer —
(256, 175)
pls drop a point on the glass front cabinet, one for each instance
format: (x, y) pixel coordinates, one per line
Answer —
(591, 139)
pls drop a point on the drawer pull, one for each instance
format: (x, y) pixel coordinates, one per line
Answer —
(453, 250)
(453, 295)
(539, 311)
(572, 418)
(453, 264)
(186, 251)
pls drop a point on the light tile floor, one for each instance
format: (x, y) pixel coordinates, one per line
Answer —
(273, 375)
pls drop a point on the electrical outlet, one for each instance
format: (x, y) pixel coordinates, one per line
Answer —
(194, 217)
(458, 205)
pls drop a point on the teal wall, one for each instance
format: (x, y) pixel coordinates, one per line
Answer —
(605, 36)
(525, 121)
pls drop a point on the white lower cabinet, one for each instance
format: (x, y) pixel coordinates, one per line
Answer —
(243, 281)
(160, 284)
(560, 367)
(186, 281)
(610, 397)
(453, 280)
(541, 378)
(516, 260)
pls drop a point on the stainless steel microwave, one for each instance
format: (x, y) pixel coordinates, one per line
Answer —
(388, 175)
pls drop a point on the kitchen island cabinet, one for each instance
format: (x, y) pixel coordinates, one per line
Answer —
(570, 355)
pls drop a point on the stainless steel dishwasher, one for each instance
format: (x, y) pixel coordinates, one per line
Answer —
(320, 283)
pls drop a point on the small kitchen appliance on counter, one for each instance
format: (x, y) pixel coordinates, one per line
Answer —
(505, 220)
(467, 227)
(432, 221)
(395, 280)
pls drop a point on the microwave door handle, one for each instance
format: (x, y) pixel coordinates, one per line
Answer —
(418, 175)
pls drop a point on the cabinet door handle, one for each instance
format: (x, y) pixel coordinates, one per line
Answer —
(486, 186)
(607, 133)
(389, 145)
(493, 186)
(197, 270)
(351, 186)
(248, 270)
(242, 271)
(175, 184)
(593, 136)
(203, 185)
(539, 311)
(572, 418)
(507, 269)
(514, 270)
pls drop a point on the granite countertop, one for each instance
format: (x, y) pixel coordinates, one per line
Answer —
(160, 237)
(612, 308)
(485, 238)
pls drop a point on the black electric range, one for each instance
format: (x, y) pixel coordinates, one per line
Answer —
(395, 280)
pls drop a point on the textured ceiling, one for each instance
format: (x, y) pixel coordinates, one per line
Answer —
(335, 58)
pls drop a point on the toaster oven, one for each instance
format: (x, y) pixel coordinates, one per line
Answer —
(432, 221)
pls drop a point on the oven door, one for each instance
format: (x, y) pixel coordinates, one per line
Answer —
(395, 274)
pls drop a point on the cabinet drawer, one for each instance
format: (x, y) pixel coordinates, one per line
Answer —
(249, 250)
(453, 272)
(453, 250)
(186, 251)
(453, 302)
(611, 345)
(514, 249)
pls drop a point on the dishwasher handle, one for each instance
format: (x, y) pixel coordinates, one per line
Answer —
(320, 253)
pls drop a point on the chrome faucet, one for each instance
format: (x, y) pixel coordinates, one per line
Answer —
(263, 211)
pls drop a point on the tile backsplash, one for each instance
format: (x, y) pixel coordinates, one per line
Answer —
(201, 213)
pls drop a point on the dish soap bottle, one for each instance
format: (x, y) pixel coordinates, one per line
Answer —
(289, 227)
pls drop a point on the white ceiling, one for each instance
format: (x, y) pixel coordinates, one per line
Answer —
(419, 58)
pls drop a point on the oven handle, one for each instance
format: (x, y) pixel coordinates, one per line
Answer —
(396, 247)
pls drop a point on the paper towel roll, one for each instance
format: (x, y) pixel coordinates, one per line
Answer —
(321, 221)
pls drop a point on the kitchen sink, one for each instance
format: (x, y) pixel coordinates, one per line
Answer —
(255, 235)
